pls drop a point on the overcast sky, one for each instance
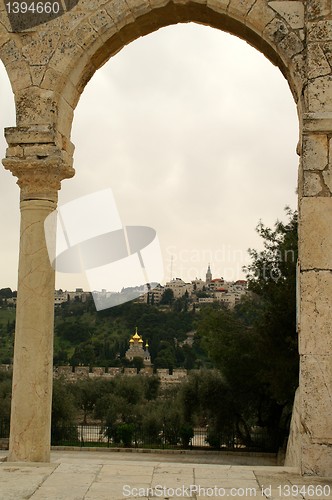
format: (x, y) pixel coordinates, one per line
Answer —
(195, 132)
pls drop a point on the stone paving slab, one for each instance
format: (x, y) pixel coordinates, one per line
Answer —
(81, 475)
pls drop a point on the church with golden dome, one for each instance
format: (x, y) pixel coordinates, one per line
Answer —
(136, 349)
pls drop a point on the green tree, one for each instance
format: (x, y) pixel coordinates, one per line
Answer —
(63, 413)
(255, 346)
(272, 277)
(6, 293)
(5, 395)
(74, 332)
(167, 297)
(86, 393)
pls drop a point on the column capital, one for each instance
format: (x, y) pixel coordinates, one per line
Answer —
(40, 158)
(39, 179)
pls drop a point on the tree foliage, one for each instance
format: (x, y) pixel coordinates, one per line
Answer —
(255, 345)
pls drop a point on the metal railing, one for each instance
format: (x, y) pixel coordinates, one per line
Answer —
(132, 436)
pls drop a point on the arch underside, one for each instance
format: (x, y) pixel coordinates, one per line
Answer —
(169, 15)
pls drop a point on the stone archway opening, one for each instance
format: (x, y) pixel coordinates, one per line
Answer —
(201, 119)
(106, 153)
(9, 216)
(293, 35)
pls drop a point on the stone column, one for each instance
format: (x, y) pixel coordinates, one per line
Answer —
(315, 245)
(39, 178)
(315, 321)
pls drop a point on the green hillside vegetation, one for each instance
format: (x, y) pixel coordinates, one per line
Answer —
(253, 347)
(84, 337)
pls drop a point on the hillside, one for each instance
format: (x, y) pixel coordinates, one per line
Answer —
(84, 336)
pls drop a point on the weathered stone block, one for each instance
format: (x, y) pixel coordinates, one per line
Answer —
(240, 7)
(41, 150)
(317, 123)
(119, 12)
(64, 370)
(35, 106)
(10, 52)
(130, 371)
(327, 49)
(139, 7)
(100, 20)
(291, 44)
(316, 312)
(65, 28)
(312, 184)
(82, 371)
(71, 93)
(291, 11)
(276, 30)
(13, 151)
(320, 31)
(65, 53)
(319, 95)
(314, 152)
(37, 73)
(298, 69)
(66, 114)
(86, 35)
(114, 371)
(316, 459)
(41, 48)
(316, 397)
(327, 178)
(293, 453)
(98, 370)
(90, 5)
(159, 3)
(4, 38)
(260, 15)
(26, 135)
(51, 79)
(315, 235)
(19, 74)
(218, 5)
(318, 8)
(318, 64)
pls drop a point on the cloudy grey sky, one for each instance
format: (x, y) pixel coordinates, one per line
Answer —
(195, 132)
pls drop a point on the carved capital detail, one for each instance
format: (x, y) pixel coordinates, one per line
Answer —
(40, 158)
(39, 178)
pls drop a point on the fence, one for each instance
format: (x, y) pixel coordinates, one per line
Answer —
(128, 435)
(4, 434)
(132, 436)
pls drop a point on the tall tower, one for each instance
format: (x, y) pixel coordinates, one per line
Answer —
(208, 276)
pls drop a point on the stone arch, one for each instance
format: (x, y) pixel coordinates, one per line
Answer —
(49, 66)
(82, 40)
(108, 30)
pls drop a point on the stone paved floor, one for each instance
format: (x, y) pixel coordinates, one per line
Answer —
(82, 475)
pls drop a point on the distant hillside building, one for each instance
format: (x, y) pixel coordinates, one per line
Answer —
(136, 349)
(179, 287)
(208, 276)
